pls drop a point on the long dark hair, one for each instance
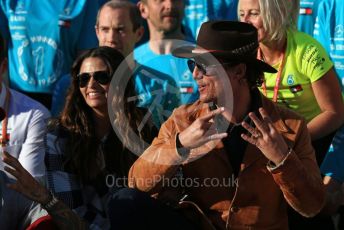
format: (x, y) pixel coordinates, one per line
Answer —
(82, 145)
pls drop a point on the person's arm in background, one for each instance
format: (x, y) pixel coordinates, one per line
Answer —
(315, 63)
(328, 95)
(62, 216)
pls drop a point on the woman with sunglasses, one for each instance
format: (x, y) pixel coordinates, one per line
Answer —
(86, 161)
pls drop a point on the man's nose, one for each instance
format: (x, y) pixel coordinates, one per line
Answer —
(113, 35)
(197, 74)
(168, 4)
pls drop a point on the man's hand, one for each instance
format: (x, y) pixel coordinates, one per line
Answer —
(266, 137)
(201, 131)
(25, 184)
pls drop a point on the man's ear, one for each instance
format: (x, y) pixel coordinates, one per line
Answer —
(96, 28)
(139, 33)
(239, 73)
(240, 70)
(143, 9)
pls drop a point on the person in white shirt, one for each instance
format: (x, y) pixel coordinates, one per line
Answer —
(16, 211)
(22, 131)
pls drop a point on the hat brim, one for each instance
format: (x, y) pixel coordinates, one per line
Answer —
(194, 52)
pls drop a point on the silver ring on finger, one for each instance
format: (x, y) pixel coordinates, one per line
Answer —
(257, 135)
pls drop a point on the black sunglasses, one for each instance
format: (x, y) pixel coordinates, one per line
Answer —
(102, 77)
(206, 69)
(192, 64)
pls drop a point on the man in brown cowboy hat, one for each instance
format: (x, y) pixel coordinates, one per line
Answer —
(235, 159)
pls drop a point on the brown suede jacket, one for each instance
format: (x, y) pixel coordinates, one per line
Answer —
(257, 199)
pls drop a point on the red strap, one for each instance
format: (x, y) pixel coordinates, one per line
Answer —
(278, 77)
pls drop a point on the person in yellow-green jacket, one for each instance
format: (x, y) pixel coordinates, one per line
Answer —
(306, 81)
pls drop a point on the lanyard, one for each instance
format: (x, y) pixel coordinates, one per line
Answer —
(5, 137)
(278, 77)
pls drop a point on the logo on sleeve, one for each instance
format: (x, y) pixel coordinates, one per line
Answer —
(313, 57)
(306, 11)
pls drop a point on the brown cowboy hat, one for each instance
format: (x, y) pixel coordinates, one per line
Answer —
(230, 40)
